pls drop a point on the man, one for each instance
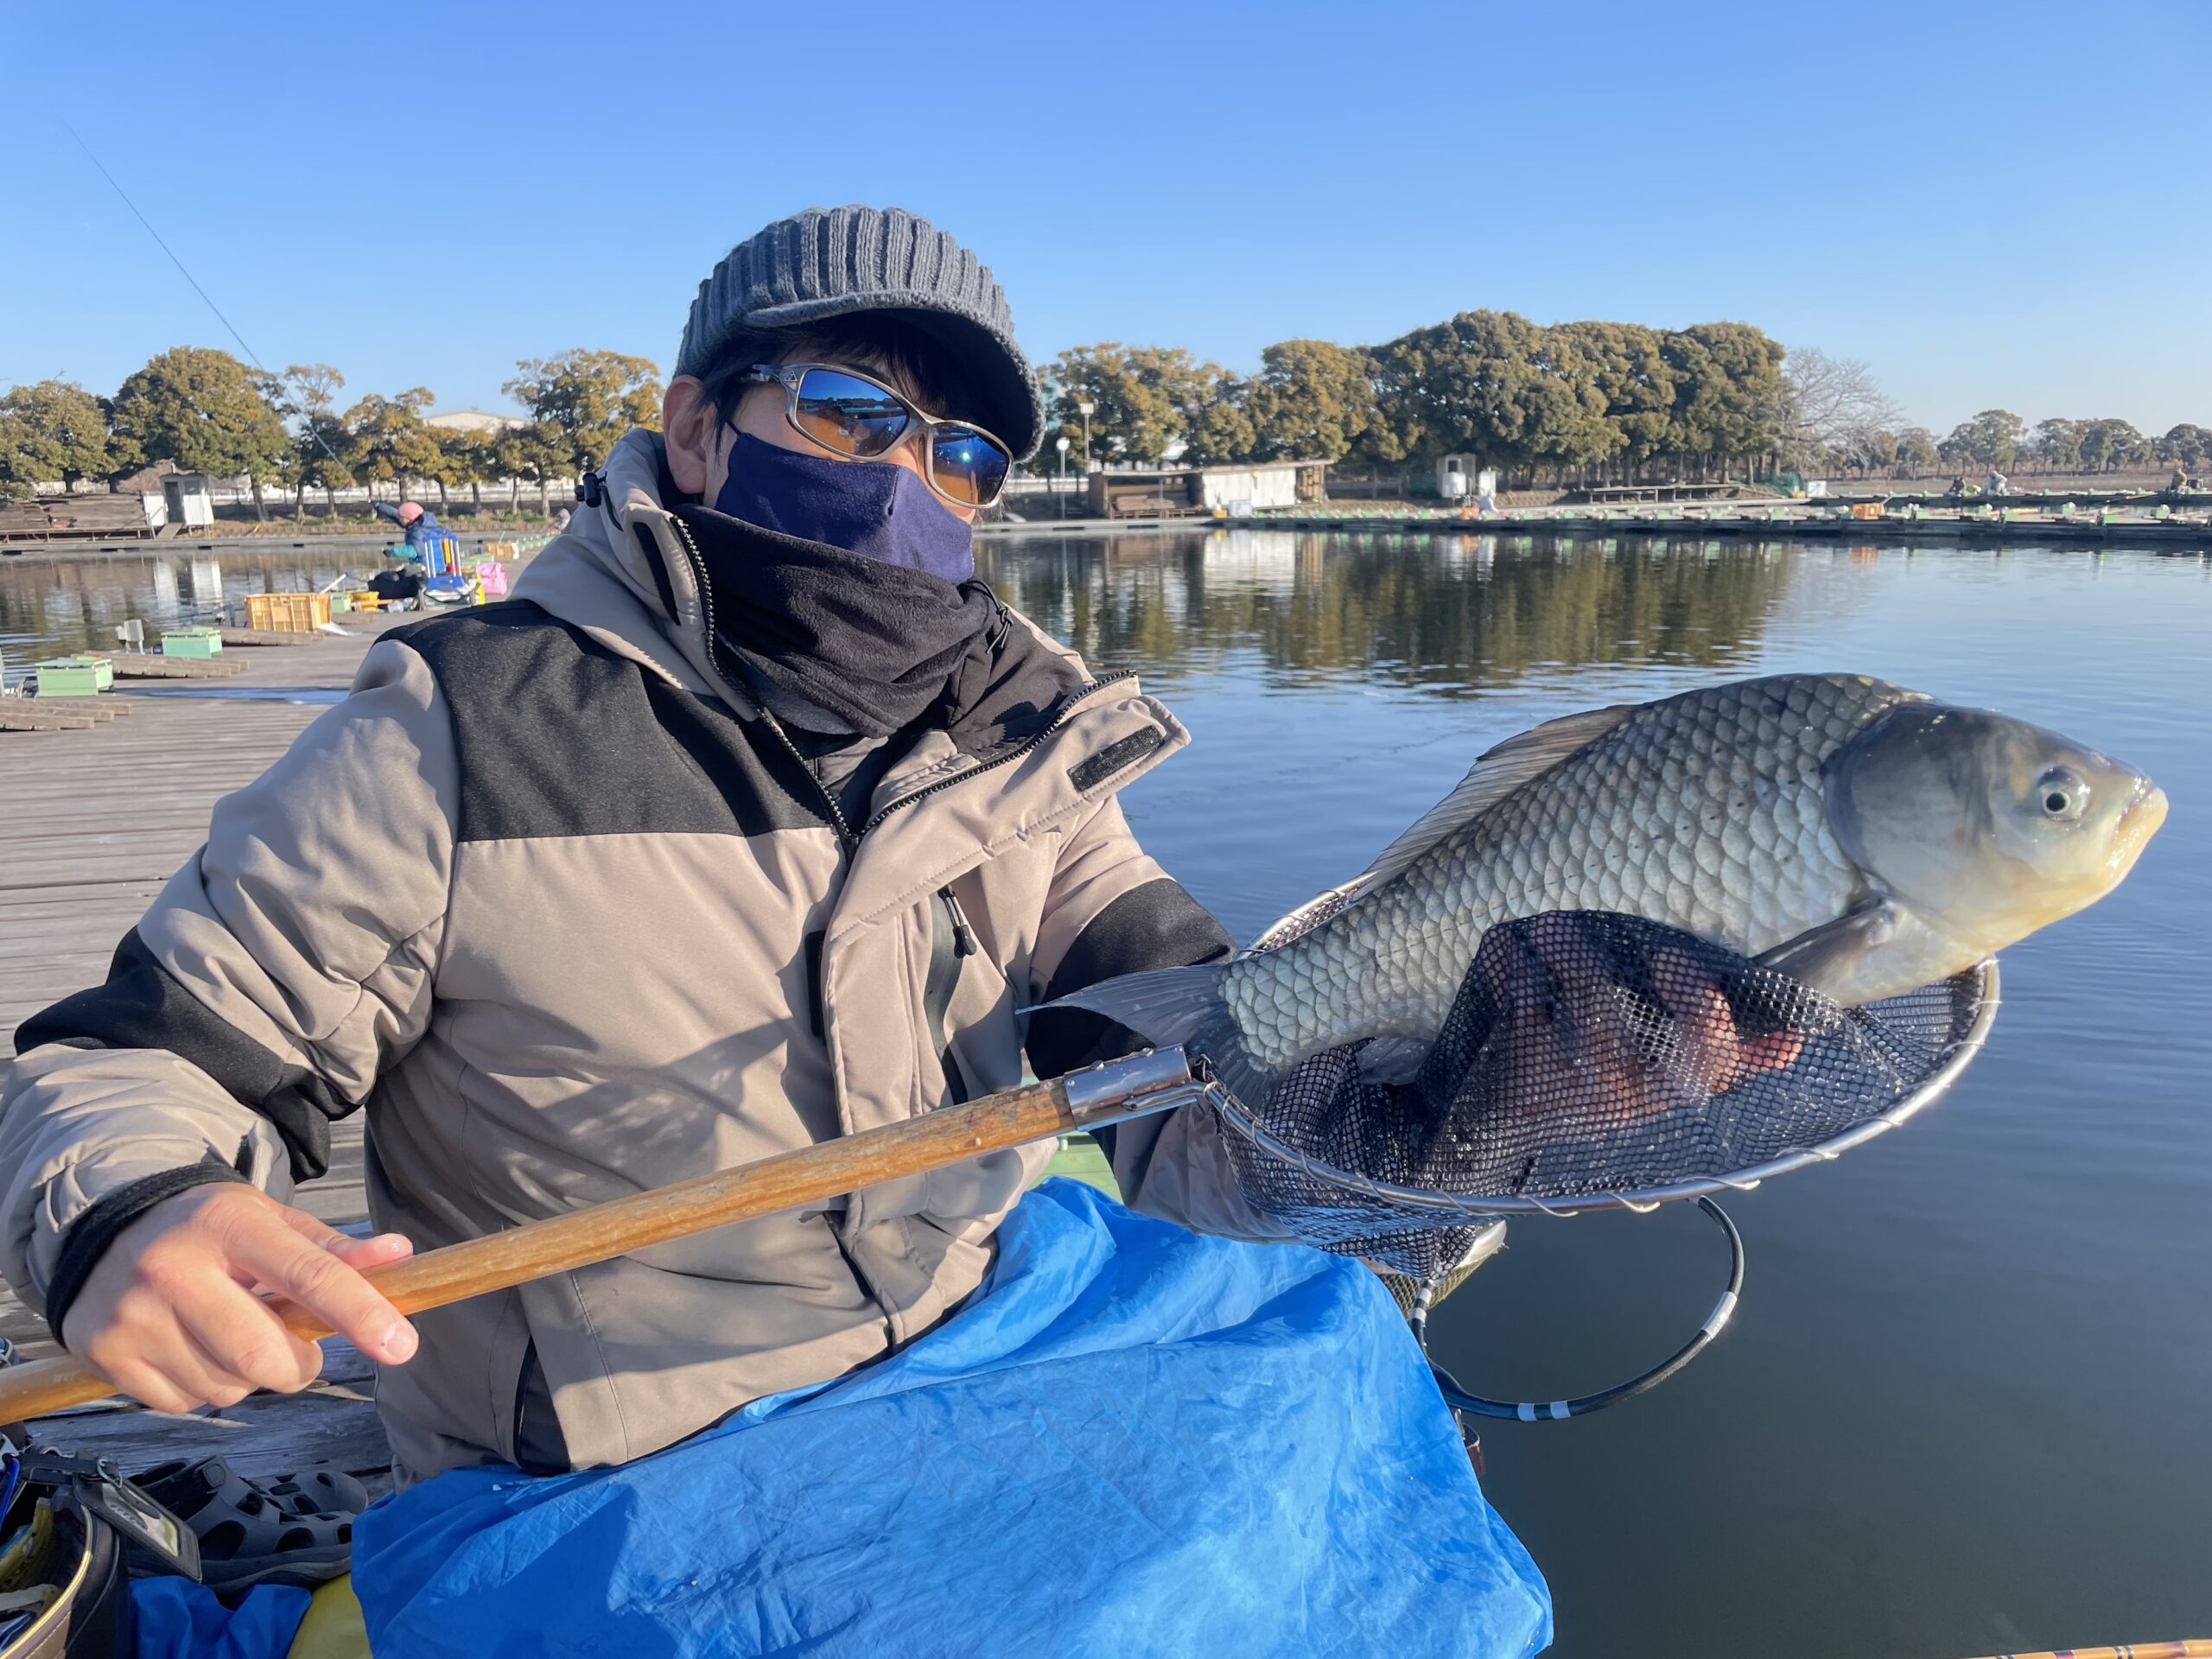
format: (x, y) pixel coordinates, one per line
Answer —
(751, 821)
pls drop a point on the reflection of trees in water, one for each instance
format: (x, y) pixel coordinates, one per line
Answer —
(1448, 612)
(52, 607)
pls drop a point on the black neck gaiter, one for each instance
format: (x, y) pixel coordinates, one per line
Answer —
(873, 643)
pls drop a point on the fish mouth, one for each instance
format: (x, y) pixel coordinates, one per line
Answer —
(2139, 821)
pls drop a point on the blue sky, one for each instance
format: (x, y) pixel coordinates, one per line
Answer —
(1992, 205)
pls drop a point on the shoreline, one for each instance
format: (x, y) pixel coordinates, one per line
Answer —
(2006, 525)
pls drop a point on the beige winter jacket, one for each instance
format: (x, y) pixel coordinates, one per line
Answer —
(549, 898)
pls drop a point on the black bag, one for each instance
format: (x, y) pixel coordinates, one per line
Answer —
(101, 1524)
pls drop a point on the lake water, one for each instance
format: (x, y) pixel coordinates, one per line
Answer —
(1963, 1406)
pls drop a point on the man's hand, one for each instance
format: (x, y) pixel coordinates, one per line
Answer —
(170, 1315)
(1578, 1041)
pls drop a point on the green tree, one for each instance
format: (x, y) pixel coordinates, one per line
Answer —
(1143, 399)
(203, 409)
(62, 433)
(1627, 364)
(454, 459)
(1312, 401)
(19, 469)
(2058, 444)
(2109, 445)
(1727, 384)
(473, 457)
(1472, 386)
(1991, 439)
(1588, 362)
(2185, 446)
(387, 441)
(1916, 451)
(583, 403)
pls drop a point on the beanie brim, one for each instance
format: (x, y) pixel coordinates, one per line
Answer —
(1014, 410)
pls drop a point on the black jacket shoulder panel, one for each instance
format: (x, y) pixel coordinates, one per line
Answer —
(558, 735)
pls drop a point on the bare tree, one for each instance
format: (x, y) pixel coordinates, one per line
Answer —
(1832, 410)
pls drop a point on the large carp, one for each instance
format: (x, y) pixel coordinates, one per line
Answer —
(1858, 836)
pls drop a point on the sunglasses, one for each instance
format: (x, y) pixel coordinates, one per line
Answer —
(848, 414)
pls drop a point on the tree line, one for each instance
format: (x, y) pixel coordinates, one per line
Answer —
(1570, 402)
(1573, 402)
(207, 412)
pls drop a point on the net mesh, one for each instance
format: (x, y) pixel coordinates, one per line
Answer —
(1585, 1053)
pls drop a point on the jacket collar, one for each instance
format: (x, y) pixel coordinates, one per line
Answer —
(621, 574)
(624, 572)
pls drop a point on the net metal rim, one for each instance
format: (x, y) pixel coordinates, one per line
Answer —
(1468, 1207)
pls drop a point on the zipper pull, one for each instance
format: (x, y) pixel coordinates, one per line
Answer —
(964, 936)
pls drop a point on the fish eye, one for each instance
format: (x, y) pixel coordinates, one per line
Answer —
(2063, 793)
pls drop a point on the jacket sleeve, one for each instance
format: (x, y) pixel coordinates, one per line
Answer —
(280, 970)
(1110, 910)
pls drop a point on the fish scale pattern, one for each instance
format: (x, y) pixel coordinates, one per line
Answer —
(1703, 812)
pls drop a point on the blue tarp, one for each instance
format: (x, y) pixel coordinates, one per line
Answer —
(179, 1619)
(1131, 1441)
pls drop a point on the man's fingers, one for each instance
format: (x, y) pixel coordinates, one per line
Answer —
(1775, 1051)
(362, 1254)
(357, 1252)
(202, 1374)
(241, 1335)
(319, 1281)
(148, 1386)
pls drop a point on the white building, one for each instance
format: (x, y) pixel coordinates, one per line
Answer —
(474, 420)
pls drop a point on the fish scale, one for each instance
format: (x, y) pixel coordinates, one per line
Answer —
(1703, 812)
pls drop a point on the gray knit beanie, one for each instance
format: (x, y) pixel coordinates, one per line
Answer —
(838, 262)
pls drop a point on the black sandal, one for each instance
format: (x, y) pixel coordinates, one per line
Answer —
(296, 1530)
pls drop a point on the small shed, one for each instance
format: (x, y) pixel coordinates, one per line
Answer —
(1232, 490)
(189, 502)
(1462, 476)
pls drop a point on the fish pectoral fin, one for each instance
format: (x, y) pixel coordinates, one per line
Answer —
(1823, 956)
(1392, 1060)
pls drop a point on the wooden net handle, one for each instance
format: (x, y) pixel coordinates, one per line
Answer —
(789, 1180)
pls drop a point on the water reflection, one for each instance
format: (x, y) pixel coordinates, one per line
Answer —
(52, 606)
(1447, 614)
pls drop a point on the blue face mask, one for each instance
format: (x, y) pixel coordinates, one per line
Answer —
(877, 508)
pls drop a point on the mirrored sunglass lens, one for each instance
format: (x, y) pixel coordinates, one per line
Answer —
(845, 413)
(970, 466)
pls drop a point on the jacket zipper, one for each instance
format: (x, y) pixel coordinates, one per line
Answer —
(1081, 694)
(964, 942)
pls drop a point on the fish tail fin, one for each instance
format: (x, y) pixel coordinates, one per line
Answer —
(1182, 1007)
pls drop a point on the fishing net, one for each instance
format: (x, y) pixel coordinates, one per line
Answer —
(1592, 1061)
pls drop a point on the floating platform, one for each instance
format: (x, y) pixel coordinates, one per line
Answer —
(1777, 524)
(133, 665)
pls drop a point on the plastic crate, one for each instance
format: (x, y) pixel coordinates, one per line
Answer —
(74, 677)
(286, 613)
(340, 600)
(202, 642)
(1866, 509)
(366, 599)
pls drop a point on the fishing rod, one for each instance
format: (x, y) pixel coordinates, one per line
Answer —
(252, 356)
(1097, 1097)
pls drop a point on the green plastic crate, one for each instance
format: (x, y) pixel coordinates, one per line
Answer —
(74, 677)
(202, 642)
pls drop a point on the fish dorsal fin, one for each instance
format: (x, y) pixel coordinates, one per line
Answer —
(1496, 773)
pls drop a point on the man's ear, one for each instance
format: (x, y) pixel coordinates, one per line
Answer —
(688, 422)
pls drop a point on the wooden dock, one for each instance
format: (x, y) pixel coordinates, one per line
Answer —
(96, 821)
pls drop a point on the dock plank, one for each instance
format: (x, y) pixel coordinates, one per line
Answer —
(96, 821)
